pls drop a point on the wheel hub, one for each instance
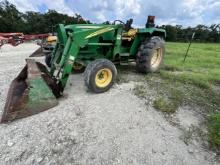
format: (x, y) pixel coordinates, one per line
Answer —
(103, 78)
(156, 59)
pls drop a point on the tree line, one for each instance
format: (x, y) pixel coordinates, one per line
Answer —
(12, 20)
(203, 33)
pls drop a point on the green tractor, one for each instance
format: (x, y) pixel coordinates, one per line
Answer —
(95, 47)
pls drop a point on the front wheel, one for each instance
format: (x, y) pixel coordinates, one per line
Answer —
(100, 75)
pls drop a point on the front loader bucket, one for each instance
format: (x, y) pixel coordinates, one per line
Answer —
(39, 52)
(31, 92)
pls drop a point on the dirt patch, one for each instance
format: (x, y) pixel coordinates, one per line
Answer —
(115, 127)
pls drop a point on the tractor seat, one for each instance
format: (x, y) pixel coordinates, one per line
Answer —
(129, 35)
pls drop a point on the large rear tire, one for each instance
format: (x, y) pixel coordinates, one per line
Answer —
(100, 75)
(150, 55)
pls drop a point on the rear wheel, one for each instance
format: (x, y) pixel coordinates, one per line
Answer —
(150, 55)
(100, 75)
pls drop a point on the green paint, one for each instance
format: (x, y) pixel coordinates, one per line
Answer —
(40, 95)
(86, 42)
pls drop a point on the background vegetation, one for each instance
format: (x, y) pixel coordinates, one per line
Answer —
(201, 66)
(12, 20)
(203, 33)
(195, 82)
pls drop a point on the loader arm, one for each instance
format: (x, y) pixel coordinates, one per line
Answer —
(35, 89)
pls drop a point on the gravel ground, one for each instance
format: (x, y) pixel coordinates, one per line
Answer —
(115, 127)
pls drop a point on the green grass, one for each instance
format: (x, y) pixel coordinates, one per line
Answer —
(202, 66)
(214, 130)
(171, 103)
(140, 91)
(201, 69)
(196, 79)
(164, 105)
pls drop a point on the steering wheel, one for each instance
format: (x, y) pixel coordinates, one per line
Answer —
(121, 22)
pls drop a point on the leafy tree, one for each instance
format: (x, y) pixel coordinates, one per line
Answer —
(35, 22)
(11, 20)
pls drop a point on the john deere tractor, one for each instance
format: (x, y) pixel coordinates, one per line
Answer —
(95, 47)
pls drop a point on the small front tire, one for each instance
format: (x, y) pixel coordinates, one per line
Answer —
(100, 75)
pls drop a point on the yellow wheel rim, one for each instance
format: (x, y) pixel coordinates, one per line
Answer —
(103, 78)
(156, 59)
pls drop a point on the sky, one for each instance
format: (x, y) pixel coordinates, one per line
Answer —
(174, 12)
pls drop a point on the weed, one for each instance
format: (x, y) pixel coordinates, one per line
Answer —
(193, 132)
(140, 91)
(207, 99)
(171, 103)
(176, 97)
(214, 130)
(188, 135)
(164, 105)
